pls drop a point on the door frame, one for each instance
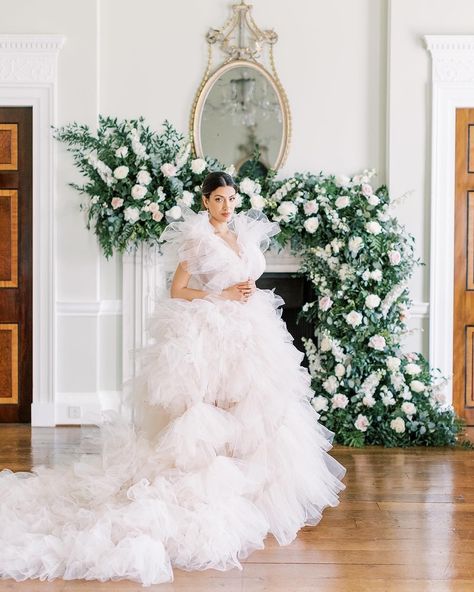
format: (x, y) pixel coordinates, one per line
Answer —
(452, 87)
(28, 78)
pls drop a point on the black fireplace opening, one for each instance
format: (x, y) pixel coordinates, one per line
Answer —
(295, 290)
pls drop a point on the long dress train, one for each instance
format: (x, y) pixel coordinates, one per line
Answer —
(242, 453)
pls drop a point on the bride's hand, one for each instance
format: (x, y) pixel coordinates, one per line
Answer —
(247, 287)
(234, 293)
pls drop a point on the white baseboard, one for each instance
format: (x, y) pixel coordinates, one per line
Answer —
(84, 408)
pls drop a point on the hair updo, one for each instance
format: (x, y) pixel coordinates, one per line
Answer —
(215, 180)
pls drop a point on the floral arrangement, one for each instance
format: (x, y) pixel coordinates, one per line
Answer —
(354, 252)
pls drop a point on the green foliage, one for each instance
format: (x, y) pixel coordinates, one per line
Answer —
(353, 250)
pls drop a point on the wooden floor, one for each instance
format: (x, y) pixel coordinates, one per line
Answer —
(405, 524)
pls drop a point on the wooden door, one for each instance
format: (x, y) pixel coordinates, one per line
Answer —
(16, 343)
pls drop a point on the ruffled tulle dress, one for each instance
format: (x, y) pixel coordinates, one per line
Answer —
(237, 453)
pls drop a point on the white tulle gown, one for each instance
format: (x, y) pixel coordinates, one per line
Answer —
(241, 454)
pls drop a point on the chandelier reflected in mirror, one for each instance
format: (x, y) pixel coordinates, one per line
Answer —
(241, 108)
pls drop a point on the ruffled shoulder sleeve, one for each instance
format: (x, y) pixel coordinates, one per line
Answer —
(253, 226)
(190, 241)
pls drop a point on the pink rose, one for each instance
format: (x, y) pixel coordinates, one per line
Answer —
(361, 423)
(117, 202)
(367, 189)
(157, 215)
(325, 303)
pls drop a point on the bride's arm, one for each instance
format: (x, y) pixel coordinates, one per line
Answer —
(179, 286)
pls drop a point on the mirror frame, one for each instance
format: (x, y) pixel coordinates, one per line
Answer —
(204, 90)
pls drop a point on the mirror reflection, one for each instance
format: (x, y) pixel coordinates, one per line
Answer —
(242, 114)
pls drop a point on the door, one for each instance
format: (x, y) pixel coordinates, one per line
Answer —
(16, 343)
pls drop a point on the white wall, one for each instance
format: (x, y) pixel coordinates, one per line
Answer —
(357, 77)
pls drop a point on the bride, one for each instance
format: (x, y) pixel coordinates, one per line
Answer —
(241, 454)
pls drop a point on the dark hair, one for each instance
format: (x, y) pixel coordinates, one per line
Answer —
(215, 180)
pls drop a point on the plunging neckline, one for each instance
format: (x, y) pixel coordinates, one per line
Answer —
(240, 253)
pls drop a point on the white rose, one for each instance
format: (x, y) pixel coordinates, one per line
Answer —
(198, 165)
(368, 401)
(139, 191)
(412, 369)
(247, 186)
(417, 386)
(353, 318)
(377, 342)
(121, 172)
(394, 257)
(366, 189)
(376, 275)
(287, 209)
(311, 207)
(121, 152)
(131, 214)
(325, 303)
(168, 169)
(398, 425)
(393, 363)
(187, 198)
(311, 225)
(355, 244)
(339, 401)
(257, 201)
(408, 408)
(174, 213)
(373, 201)
(143, 178)
(320, 403)
(339, 370)
(366, 275)
(331, 384)
(342, 180)
(373, 227)
(326, 344)
(372, 301)
(342, 202)
(361, 423)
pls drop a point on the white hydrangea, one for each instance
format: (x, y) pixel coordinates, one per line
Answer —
(257, 201)
(320, 403)
(387, 398)
(355, 244)
(376, 275)
(331, 384)
(131, 214)
(368, 401)
(187, 198)
(248, 186)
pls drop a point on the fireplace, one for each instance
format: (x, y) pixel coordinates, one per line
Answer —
(146, 276)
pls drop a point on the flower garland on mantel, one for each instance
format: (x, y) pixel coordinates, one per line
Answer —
(353, 251)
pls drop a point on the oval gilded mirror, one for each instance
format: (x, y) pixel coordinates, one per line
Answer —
(240, 113)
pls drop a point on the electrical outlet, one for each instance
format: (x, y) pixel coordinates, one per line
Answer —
(74, 412)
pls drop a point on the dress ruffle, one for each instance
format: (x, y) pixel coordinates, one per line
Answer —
(234, 453)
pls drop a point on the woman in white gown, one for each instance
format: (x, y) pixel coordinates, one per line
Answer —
(241, 455)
